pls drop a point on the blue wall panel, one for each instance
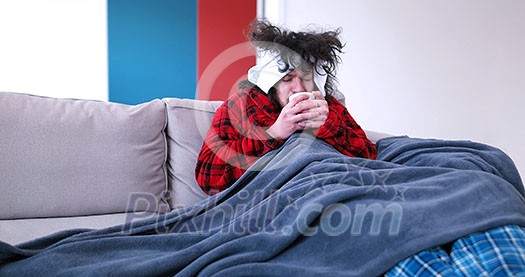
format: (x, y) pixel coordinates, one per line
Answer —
(151, 49)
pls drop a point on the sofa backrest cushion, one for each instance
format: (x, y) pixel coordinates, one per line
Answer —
(188, 123)
(66, 157)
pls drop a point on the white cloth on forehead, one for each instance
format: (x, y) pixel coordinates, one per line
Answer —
(266, 73)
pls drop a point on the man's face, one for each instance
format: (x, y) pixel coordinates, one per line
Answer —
(295, 81)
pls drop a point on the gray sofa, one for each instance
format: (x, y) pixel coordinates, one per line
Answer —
(70, 164)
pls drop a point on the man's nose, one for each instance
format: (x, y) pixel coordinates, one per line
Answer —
(298, 84)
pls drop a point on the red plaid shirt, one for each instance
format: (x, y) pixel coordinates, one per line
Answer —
(237, 138)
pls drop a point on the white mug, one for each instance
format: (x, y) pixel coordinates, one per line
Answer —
(310, 94)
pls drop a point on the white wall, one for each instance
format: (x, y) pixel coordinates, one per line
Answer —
(445, 69)
(54, 47)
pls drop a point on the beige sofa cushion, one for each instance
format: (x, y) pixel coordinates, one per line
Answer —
(188, 123)
(66, 157)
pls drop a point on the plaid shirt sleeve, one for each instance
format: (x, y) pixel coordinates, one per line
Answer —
(236, 139)
(343, 133)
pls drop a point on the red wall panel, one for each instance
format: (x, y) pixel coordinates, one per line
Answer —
(223, 56)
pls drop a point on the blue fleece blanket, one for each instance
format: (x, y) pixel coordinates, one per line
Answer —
(303, 209)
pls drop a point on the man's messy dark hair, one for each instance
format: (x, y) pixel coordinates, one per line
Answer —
(316, 48)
